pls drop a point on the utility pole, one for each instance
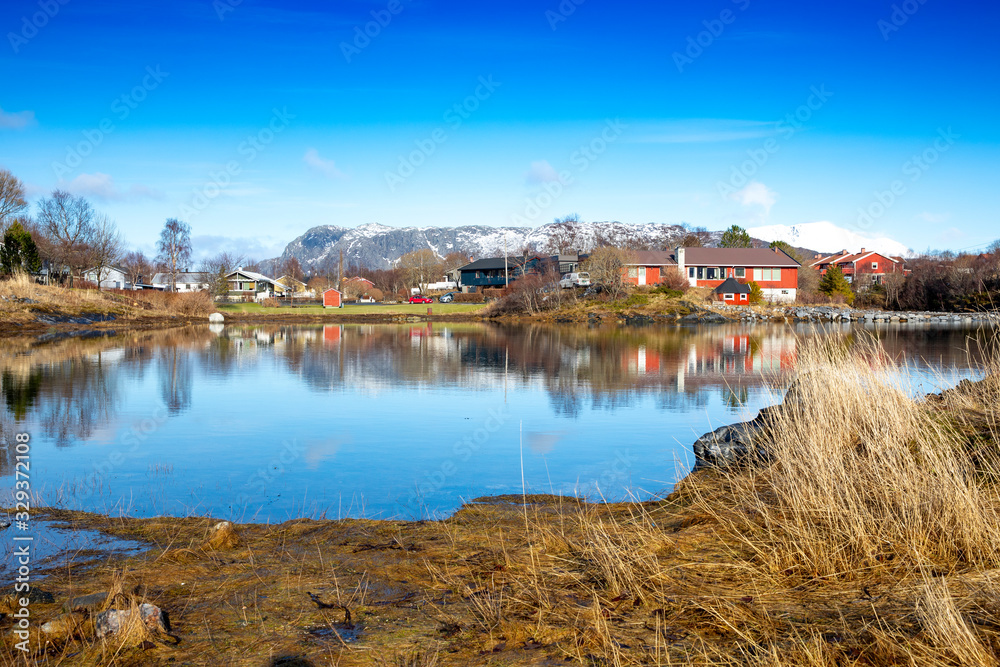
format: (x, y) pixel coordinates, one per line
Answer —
(506, 275)
(340, 272)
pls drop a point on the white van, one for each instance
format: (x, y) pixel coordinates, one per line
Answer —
(575, 280)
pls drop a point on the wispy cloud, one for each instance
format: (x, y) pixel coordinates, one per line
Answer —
(756, 194)
(102, 186)
(541, 172)
(703, 130)
(321, 165)
(934, 218)
(10, 120)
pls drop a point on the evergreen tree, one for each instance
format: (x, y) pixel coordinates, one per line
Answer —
(756, 293)
(735, 237)
(19, 252)
(834, 282)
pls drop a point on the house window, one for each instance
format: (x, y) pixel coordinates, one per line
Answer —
(776, 274)
(728, 297)
(740, 272)
(875, 265)
(690, 272)
(701, 273)
(633, 272)
(713, 273)
(743, 297)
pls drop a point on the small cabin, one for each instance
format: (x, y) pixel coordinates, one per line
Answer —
(333, 299)
(733, 293)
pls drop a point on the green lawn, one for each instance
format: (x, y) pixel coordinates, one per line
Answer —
(378, 309)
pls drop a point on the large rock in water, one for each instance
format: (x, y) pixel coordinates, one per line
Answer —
(216, 318)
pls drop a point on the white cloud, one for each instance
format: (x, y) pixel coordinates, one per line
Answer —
(701, 131)
(102, 186)
(756, 194)
(16, 121)
(541, 172)
(323, 166)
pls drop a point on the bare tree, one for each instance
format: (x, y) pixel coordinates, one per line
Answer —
(607, 266)
(106, 247)
(67, 223)
(218, 267)
(137, 267)
(12, 201)
(174, 248)
(420, 266)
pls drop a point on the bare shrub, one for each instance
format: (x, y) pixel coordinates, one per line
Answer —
(859, 476)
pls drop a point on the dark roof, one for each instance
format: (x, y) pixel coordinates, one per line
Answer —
(732, 286)
(491, 263)
(737, 257)
(652, 258)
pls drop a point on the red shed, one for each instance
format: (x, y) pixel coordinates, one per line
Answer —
(332, 299)
(733, 292)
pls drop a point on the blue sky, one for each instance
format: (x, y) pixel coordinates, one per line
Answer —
(254, 120)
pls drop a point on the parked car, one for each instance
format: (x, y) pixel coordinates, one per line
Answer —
(575, 280)
(447, 298)
(419, 298)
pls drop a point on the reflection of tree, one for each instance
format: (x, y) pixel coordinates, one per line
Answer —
(76, 398)
(19, 393)
(176, 377)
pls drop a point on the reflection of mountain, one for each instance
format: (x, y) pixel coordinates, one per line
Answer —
(72, 388)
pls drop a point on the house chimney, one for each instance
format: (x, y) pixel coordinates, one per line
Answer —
(679, 257)
(862, 251)
(817, 256)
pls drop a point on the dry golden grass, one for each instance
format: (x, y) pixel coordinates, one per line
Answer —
(21, 299)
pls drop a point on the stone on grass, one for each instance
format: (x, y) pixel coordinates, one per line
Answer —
(68, 626)
(221, 536)
(113, 621)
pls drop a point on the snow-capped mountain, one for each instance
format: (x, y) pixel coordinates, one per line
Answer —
(828, 237)
(379, 246)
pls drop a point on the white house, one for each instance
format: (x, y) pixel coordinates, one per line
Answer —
(111, 278)
(186, 281)
(244, 285)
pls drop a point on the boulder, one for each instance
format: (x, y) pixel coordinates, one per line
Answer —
(216, 318)
(113, 621)
(730, 445)
(221, 536)
(68, 626)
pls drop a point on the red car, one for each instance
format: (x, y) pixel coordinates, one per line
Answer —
(417, 298)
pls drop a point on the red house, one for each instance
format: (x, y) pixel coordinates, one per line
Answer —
(332, 299)
(776, 272)
(865, 265)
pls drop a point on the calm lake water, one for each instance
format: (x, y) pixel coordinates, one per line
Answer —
(269, 423)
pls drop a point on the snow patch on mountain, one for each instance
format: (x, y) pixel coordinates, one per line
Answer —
(827, 237)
